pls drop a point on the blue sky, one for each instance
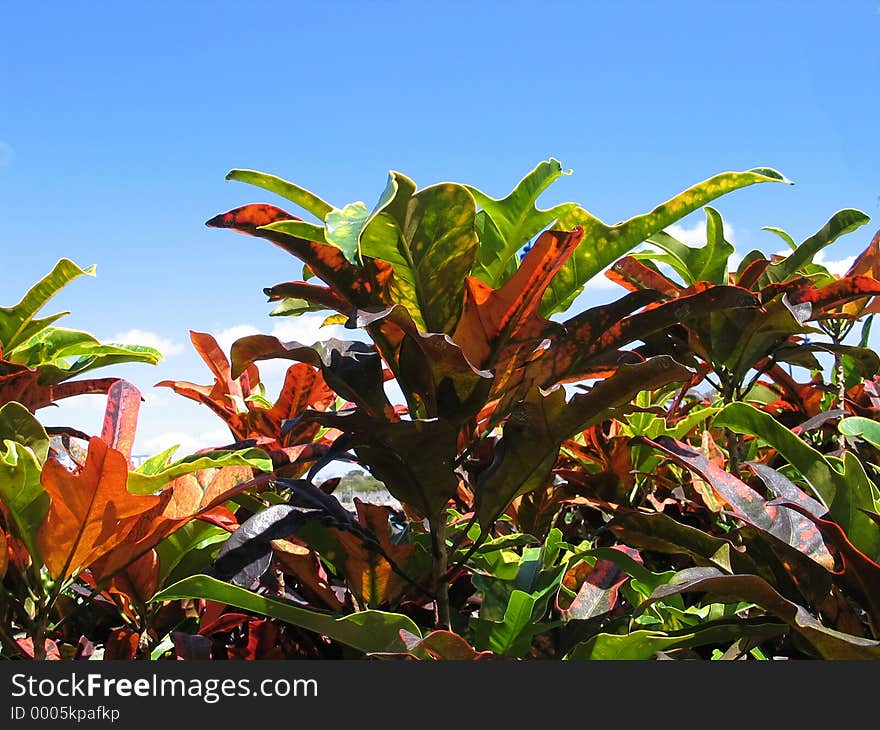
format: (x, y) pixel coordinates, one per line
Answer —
(118, 125)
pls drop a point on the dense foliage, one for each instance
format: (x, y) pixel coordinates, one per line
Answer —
(689, 470)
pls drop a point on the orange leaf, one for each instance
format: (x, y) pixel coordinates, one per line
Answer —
(91, 513)
(370, 576)
(122, 644)
(492, 318)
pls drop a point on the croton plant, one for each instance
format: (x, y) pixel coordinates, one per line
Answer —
(689, 470)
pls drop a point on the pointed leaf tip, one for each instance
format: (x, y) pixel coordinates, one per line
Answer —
(771, 173)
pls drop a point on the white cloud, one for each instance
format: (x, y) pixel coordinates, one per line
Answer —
(226, 337)
(600, 282)
(189, 443)
(836, 266)
(150, 339)
(695, 235)
(305, 328)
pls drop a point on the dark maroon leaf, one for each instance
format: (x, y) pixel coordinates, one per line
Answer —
(857, 573)
(352, 369)
(191, 647)
(747, 504)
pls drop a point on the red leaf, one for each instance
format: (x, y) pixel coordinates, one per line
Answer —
(492, 318)
(632, 274)
(120, 417)
(595, 587)
(362, 286)
(122, 644)
(50, 648)
(747, 504)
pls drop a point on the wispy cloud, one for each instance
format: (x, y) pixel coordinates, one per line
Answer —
(838, 267)
(306, 329)
(142, 337)
(695, 235)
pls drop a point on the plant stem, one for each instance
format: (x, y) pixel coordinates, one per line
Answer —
(437, 526)
(841, 391)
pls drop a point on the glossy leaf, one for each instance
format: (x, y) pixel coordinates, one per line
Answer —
(367, 569)
(861, 427)
(432, 370)
(413, 459)
(446, 645)
(120, 417)
(661, 533)
(246, 555)
(140, 483)
(302, 197)
(828, 643)
(61, 354)
(704, 263)
(434, 251)
(590, 589)
(494, 318)
(857, 572)
(352, 369)
(24, 446)
(644, 644)
(841, 485)
(193, 495)
(841, 223)
(18, 323)
(540, 423)
(366, 631)
(604, 244)
(362, 286)
(505, 225)
(790, 527)
(18, 424)
(343, 229)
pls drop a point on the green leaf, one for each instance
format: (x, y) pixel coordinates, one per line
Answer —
(706, 263)
(140, 483)
(21, 492)
(52, 350)
(509, 636)
(431, 245)
(862, 427)
(842, 222)
(188, 549)
(300, 229)
(17, 324)
(366, 631)
(789, 241)
(505, 225)
(302, 197)
(344, 228)
(604, 244)
(18, 424)
(828, 643)
(842, 486)
(644, 644)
